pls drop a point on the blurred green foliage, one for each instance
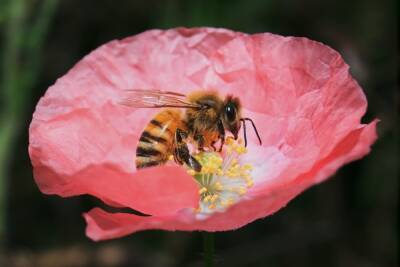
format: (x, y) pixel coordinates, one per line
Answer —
(21, 47)
(351, 220)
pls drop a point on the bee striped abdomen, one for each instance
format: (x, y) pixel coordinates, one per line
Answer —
(156, 142)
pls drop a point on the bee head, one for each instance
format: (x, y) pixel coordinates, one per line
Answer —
(231, 115)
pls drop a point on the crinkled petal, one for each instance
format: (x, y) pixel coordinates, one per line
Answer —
(299, 92)
(102, 225)
(157, 191)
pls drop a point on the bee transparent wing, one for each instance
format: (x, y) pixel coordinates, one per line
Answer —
(139, 98)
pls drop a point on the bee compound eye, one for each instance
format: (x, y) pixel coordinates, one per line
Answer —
(230, 112)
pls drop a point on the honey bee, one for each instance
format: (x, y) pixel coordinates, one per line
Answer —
(201, 118)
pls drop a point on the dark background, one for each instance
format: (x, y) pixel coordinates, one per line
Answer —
(350, 220)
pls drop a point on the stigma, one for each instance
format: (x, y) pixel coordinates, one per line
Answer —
(224, 180)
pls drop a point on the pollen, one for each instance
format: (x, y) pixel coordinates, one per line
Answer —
(224, 179)
(191, 172)
(202, 190)
(218, 186)
(212, 206)
(247, 167)
(242, 191)
(229, 141)
(241, 150)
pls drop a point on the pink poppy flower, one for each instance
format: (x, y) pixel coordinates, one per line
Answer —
(299, 93)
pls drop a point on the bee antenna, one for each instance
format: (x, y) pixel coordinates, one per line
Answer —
(254, 127)
(244, 132)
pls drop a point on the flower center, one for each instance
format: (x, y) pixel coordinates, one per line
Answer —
(223, 180)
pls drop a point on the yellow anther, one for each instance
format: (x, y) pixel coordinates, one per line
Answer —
(171, 157)
(213, 169)
(234, 171)
(231, 169)
(242, 191)
(247, 166)
(223, 181)
(234, 146)
(241, 150)
(229, 141)
(205, 169)
(235, 167)
(229, 174)
(215, 159)
(218, 186)
(214, 198)
(202, 190)
(207, 199)
(191, 172)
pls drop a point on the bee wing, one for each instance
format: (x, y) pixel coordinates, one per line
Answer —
(139, 98)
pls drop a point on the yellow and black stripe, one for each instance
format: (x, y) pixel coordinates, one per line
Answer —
(156, 142)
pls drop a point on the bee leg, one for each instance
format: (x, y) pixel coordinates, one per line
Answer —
(221, 131)
(177, 158)
(213, 145)
(180, 135)
(183, 156)
(179, 145)
(200, 141)
(193, 163)
(181, 151)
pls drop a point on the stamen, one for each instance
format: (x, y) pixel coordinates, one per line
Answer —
(223, 181)
(191, 172)
(207, 198)
(202, 190)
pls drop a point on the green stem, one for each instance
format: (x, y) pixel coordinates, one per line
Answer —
(208, 246)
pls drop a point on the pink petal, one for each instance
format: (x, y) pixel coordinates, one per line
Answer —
(299, 93)
(303, 99)
(103, 225)
(156, 191)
